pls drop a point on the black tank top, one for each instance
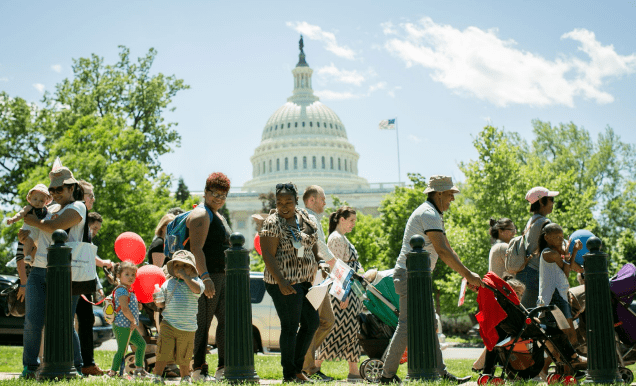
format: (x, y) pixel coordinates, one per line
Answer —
(217, 241)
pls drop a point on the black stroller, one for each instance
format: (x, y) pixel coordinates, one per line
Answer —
(522, 340)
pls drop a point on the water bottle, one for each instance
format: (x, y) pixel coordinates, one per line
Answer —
(158, 295)
(358, 289)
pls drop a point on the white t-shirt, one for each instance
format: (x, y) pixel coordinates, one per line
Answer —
(44, 239)
(425, 218)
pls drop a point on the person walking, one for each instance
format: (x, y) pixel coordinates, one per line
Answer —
(342, 342)
(315, 202)
(288, 242)
(501, 231)
(427, 220)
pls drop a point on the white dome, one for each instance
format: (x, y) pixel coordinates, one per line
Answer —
(305, 142)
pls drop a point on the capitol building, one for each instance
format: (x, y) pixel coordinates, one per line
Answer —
(304, 142)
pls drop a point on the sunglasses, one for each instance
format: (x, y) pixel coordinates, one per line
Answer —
(218, 196)
(57, 190)
(285, 187)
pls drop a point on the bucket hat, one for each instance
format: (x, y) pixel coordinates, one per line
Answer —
(440, 184)
(61, 176)
(183, 256)
(42, 189)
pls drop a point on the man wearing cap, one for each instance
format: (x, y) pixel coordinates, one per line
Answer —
(541, 203)
(427, 220)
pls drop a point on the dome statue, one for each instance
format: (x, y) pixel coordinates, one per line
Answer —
(305, 142)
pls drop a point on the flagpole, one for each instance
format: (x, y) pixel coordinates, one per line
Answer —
(397, 140)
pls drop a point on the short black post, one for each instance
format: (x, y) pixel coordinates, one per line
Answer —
(422, 355)
(601, 362)
(239, 350)
(58, 326)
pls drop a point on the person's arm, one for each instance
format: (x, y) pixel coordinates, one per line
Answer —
(66, 220)
(28, 247)
(198, 224)
(103, 263)
(269, 245)
(18, 216)
(448, 256)
(158, 258)
(192, 284)
(123, 303)
(23, 279)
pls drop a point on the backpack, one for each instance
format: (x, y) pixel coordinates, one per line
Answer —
(109, 309)
(175, 239)
(516, 254)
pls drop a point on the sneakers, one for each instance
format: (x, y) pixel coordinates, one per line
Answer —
(219, 373)
(319, 376)
(111, 374)
(141, 374)
(27, 374)
(186, 379)
(92, 370)
(201, 374)
(354, 378)
(394, 379)
(455, 379)
(158, 379)
(297, 380)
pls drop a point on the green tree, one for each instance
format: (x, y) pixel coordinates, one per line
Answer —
(182, 193)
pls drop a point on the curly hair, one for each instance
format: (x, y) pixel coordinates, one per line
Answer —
(218, 181)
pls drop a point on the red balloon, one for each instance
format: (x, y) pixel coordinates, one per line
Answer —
(129, 246)
(144, 285)
(257, 244)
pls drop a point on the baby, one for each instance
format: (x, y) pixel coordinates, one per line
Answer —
(179, 296)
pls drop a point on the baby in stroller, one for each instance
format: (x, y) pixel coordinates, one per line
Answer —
(515, 338)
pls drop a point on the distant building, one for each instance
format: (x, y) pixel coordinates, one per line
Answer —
(306, 143)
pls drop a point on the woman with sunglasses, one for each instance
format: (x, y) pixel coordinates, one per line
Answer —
(208, 236)
(541, 203)
(501, 231)
(288, 241)
(69, 213)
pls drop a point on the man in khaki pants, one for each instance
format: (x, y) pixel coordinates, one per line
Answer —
(314, 198)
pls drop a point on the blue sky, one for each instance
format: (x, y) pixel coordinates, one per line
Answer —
(445, 69)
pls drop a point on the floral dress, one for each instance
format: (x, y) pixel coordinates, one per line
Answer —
(342, 341)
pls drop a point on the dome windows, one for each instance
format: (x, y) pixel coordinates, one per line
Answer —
(318, 124)
(286, 163)
(288, 125)
(304, 162)
(314, 162)
(338, 163)
(303, 124)
(295, 124)
(270, 165)
(310, 124)
(345, 162)
(278, 164)
(331, 159)
(323, 161)
(295, 163)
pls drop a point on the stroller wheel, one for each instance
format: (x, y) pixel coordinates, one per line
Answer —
(497, 381)
(626, 374)
(553, 378)
(364, 363)
(371, 370)
(483, 379)
(569, 380)
(129, 363)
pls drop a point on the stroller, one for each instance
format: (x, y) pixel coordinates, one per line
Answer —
(522, 341)
(622, 290)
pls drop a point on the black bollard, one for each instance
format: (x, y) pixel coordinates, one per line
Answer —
(239, 350)
(601, 344)
(58, 326)
(422, 355)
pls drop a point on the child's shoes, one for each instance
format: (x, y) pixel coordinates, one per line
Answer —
(140, 373)
(186, 379)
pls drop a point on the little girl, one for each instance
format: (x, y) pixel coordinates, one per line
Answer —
(126, 320)
(554, 268)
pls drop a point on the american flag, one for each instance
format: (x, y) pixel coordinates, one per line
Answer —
(387, 124)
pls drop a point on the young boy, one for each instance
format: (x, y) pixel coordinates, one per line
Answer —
(180, 299)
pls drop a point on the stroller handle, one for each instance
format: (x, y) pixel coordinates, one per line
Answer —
(535, 311)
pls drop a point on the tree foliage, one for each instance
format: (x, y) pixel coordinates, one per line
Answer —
(182, 193)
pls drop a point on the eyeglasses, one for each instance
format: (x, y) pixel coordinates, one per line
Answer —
(218, 196)
(285, 186)
(510, 229)
(57, 190)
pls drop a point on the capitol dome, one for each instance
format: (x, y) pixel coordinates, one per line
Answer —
(305, 142)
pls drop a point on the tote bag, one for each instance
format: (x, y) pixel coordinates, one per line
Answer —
(82, 261)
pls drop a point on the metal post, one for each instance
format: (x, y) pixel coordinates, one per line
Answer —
(239, 350)
(601, 362)
(58, 327)
(422, 356)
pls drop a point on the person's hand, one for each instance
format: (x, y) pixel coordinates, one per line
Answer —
(209, 288)
(474, 281)
(578, 245)
(344, 304)
(12, 220)
(133, 324)
(31, 219)
(108, 264)
(23, 235)
(285, 287)
(21, 292)
(181, 274)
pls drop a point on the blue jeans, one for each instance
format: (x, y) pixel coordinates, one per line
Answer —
(294, 310)
(35, 312)
(529, 277)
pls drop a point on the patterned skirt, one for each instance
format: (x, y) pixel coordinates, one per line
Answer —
(342, 342)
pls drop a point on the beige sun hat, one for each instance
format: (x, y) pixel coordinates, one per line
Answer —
(183, 256)
(61, 176)
(42, 189)
(440, 184)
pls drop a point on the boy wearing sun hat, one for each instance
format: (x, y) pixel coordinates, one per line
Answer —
(179, 297)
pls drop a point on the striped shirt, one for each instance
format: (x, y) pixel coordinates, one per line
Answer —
(424, 219)
(182, 304)
(293, 268)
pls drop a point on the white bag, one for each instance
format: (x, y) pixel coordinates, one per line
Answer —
(82, 261)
